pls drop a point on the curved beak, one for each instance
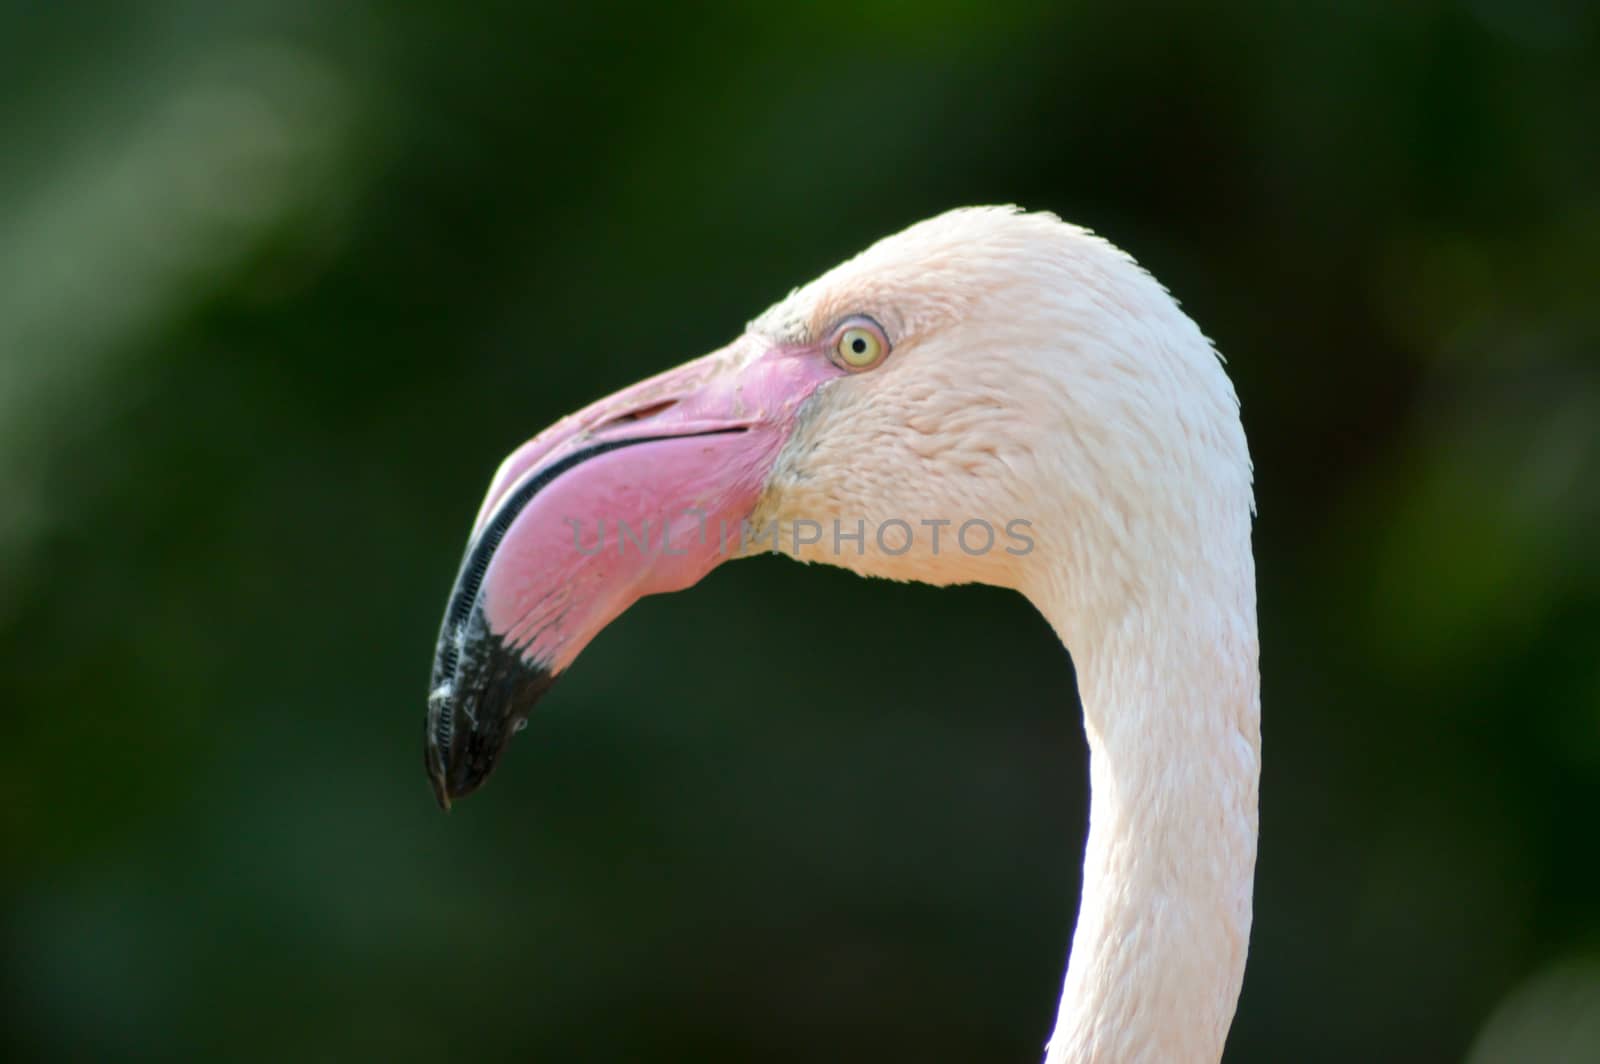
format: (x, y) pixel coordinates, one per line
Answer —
(643, 492)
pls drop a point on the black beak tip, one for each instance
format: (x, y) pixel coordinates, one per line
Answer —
(473, 714)
(459, 754)
(437, 775)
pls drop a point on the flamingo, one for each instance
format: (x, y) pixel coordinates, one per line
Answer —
(991, 369)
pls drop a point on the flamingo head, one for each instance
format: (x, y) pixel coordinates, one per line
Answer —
(956, 403)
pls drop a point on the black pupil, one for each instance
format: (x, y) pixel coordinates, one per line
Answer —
(858, 345)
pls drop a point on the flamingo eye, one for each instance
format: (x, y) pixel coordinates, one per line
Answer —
(859, 344)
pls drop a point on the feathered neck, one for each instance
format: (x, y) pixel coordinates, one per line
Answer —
(1170, 690)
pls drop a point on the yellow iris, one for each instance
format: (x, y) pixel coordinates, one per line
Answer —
(858, 348)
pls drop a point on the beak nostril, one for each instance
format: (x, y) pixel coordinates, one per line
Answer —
(637, 414)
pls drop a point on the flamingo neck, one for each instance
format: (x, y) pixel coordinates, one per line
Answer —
(1170, 694)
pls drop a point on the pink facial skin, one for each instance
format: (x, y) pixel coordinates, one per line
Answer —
(565, 569)
(642, 492)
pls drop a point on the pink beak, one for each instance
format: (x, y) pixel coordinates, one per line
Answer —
(643, 492)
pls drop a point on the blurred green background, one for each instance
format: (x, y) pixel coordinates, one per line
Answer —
(280, 282)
